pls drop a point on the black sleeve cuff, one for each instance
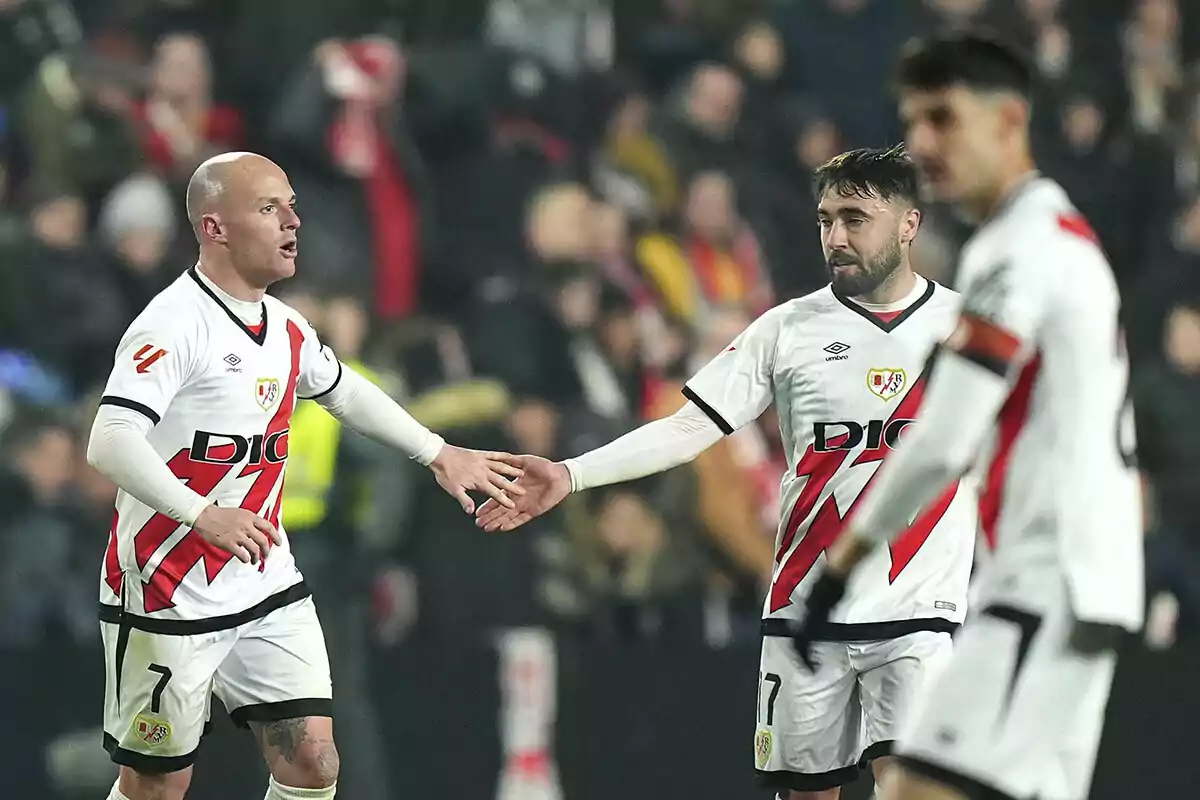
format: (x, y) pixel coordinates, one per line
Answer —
(132, 405)
(709, 411)
(332, 386)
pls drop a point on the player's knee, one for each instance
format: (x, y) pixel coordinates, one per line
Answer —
(300, 751)
(148, 786)
(316, 764)
(881, 767)
(905, 785)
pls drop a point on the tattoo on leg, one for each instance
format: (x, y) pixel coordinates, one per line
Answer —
(327, 761)
(285, 735)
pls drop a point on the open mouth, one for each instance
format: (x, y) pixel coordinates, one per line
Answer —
(288, 250)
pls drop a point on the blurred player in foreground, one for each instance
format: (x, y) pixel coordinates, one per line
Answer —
(1032, 389)
(200, 594)
(843, 369)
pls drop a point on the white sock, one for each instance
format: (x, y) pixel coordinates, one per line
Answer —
(277, 791)
(115, 793)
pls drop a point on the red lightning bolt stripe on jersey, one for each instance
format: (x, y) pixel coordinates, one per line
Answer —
(220, 393)
(846, 381)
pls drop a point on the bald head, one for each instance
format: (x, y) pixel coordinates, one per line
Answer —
(222, 177)
(243, 212)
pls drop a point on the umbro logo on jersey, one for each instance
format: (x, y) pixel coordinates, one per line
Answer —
(233, 361)
(886, 383)
(836, 351)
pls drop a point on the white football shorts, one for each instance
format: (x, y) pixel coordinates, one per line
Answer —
(159, 686)
(817, 731)
(1015, 713)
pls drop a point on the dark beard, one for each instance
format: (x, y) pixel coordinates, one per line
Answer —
(871, 274)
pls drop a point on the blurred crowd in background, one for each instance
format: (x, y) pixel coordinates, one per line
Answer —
(531, 220)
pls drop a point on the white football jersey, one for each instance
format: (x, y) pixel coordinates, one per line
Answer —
(221, 395)
(1060, 497)
(846, 380)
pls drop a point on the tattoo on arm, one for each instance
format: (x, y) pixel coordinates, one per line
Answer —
(285, 735)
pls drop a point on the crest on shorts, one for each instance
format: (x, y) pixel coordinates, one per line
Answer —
(763, 740)
(266, 392)
(886, 383)
(152, 730)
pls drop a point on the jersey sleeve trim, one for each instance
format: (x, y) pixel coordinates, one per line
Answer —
(709, 411)
(132, 405)
(985, 343)
(332, 386)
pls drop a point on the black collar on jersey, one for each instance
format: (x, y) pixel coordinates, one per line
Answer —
(257, 338)
(886, 327)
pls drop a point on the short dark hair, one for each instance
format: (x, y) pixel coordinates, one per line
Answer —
(28, 427)
(886, 173)
(976, 60)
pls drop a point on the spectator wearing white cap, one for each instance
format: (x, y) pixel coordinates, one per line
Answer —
(138, 226)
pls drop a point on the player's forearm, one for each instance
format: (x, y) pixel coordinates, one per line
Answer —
(960, 403)
(118, 448)
(914, 483)
(369, 410)
(655, 447)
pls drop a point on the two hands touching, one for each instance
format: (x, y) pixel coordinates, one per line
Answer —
(457, 470)
(541, 486)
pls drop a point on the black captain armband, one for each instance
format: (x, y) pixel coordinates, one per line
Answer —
(985, 343)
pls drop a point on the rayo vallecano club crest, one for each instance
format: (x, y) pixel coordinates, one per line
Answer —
(763, 742)
(152, 730)
(266, 392)
(886, 383)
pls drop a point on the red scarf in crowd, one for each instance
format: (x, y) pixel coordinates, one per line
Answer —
(743, 252)
(360, 146)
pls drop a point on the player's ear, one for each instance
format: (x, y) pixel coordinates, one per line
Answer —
(909, 225)
(1014, 113)
(211, 227)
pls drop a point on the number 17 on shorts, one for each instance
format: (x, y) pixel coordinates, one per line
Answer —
(764, 739)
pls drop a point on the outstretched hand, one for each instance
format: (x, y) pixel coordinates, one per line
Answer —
(543, 485)
(459, 471)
